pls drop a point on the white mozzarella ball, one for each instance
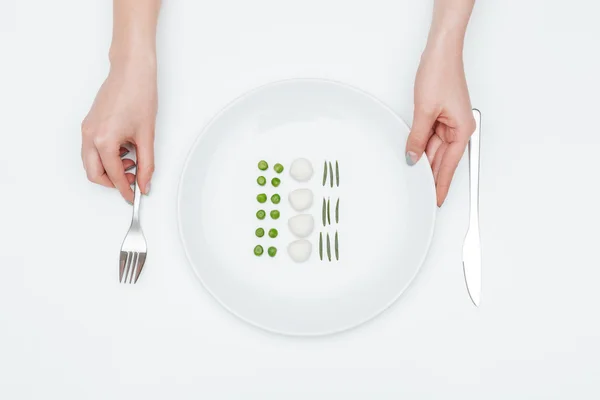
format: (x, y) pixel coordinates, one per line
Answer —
(301, 225)
(301, 199)
(301, 170)
(300, 250)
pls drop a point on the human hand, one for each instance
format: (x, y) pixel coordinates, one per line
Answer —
(124, 111)
(443, 119)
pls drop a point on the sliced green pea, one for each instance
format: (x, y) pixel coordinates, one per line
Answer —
(273, 233)
(275, 199)
(275, 182)
(272, 251)
(275, 214)
(258, 250)
(261, 180)
(262, 165)
(261, 214)
(261, 198)
(278, 168)
(260, 232)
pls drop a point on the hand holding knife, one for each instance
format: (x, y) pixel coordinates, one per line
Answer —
(471, 246)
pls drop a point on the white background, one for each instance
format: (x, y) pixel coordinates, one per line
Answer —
(68, 330)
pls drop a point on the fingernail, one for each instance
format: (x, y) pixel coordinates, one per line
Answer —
(411, 158)
(124, 153)
(148, 186)
(129, 202)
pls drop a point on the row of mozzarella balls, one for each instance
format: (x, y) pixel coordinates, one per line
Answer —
(301, 225)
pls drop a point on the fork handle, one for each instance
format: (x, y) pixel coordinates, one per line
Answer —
(474, 173)
(137, 198)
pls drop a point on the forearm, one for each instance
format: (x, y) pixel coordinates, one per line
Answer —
(134, 31)
(449, 24)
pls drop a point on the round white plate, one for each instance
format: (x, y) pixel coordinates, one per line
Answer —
(387, 209)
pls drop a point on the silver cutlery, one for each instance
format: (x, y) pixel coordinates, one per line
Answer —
(133, 249)
(471, 246)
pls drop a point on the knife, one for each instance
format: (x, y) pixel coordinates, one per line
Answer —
(471, 246)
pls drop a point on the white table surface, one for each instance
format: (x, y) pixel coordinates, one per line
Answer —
(68, 330)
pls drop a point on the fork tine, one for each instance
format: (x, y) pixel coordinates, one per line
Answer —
(134, 265)
(127, 266)
(140, 265)
(122, 263)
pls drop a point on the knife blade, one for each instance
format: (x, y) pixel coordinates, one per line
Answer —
(471, 245)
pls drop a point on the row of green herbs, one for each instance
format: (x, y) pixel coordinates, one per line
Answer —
(331, 176)
(328, 242)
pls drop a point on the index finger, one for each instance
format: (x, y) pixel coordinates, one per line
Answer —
(115, 171)
(448, 165)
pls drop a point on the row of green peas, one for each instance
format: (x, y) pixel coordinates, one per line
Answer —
(261, 214)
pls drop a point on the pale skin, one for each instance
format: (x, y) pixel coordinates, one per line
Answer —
(443, 120)
(125, 107)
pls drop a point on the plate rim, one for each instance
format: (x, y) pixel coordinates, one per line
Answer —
(191, 264)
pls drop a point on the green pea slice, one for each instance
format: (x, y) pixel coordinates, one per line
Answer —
(337, 211)
(261, 180)
(324, 212)
(260, 232)
(258, 250)
(262, 165)
(337, 174)
(261, 214)
(275, 214)
(261, 198)
(275, 199)
(275, 182)
(324, 173)
(278, 168)
(272, 251)
(330, 174)
(273, 233)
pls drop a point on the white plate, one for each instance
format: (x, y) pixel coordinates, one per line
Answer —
(387, 209)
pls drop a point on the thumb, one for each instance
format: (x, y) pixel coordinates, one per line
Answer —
(145, 161)
(419, 135)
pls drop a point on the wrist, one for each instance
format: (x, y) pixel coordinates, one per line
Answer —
(133, 55)
(449, 25)
(445, 41)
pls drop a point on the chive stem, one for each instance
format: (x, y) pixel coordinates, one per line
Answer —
(337, 252)
(321, 245)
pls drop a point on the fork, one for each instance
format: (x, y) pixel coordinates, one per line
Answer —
(133, 249)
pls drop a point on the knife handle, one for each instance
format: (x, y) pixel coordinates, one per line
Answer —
(474, 172)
